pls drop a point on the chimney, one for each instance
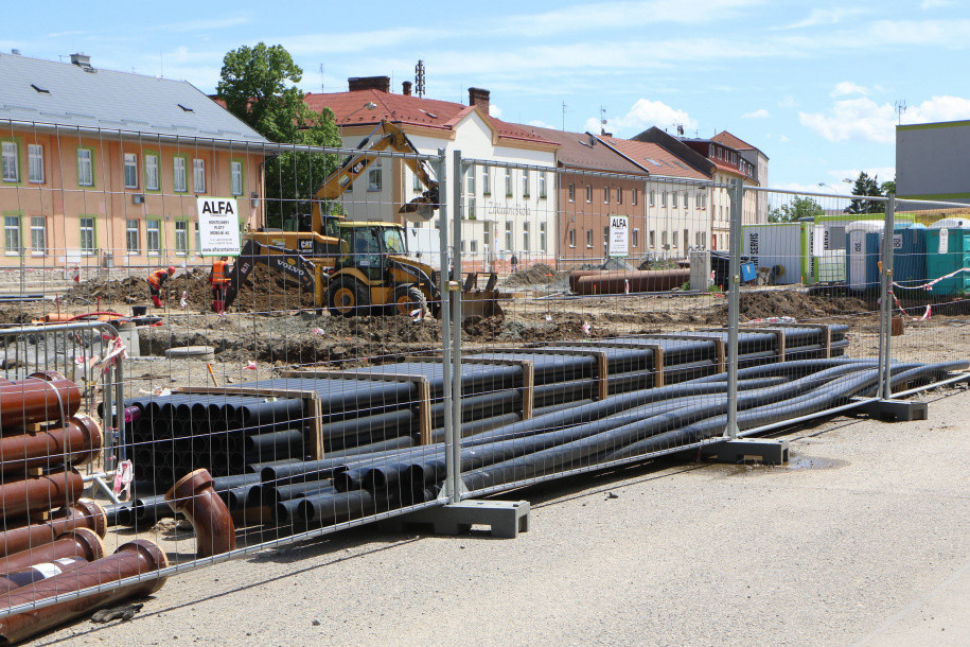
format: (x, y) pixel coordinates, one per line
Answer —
(478, 97)
(407, 88)
(81, 60)
(380, 83)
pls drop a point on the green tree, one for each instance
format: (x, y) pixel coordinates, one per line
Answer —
(258, 85)
(887, 187)
(866, 186)
(795, 210)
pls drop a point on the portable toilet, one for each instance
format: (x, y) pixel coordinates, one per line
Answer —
(948, 250)
(909, 255)
(858, 255)
(782, 247)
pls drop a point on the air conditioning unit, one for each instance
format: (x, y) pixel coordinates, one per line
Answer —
(138, 198)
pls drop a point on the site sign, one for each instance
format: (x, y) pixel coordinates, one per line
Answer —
(218, 226)
(619, 236)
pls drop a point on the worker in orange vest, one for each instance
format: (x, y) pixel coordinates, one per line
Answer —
(155, 282)
(219, 279)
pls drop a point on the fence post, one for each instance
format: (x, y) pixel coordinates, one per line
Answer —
(454, 470)
(444, 282)
(887, 298)
(734, 300)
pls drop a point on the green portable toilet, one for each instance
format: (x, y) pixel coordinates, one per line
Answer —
(948, 250)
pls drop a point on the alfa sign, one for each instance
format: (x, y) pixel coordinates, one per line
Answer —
(218, 226)
(619, 236)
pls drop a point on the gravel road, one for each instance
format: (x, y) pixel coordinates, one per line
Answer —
(863, 539)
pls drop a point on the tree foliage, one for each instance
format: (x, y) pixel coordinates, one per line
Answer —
(866, 186)
(795, 210)
(258, 85)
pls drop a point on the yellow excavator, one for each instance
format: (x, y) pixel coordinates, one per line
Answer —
(361, 268)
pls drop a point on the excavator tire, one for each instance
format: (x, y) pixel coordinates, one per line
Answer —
(407, 299)
(346, 297)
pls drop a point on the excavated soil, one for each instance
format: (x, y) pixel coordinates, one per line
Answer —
(786, 303)
(538, 274)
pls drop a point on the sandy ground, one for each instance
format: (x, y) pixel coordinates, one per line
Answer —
(864, 538)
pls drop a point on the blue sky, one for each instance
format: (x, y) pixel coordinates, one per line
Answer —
(812, 84)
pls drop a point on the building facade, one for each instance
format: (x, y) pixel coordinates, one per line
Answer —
(92, 177)
(932, 161)
(508, 198)
(758, 160)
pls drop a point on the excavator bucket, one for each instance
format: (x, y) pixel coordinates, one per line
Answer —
(479, 303)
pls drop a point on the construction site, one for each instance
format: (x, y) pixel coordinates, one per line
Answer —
(339, 379)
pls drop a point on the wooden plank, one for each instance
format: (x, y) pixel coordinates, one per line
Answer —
(659, 378)
(719, 344)
(779, 334)
(825, 329)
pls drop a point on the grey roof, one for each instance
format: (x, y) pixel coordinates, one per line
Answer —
(48, 92)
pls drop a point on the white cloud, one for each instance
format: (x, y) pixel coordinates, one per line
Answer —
(761, 113)
(847, 88)
(933, 4)
(831, 16)
(592, 125)
(788, 101)
(863, 120)
(646, 113)
(494, 111)
(783, 138)
(884, 173)
(538, 123)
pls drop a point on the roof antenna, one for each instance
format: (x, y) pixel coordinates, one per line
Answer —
(323, 88)
(419, 78)
(564, 116)
(602, 121)
(900, 109)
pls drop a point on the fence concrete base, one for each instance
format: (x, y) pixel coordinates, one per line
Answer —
(740, 450)
(896, 410)
(506, 519)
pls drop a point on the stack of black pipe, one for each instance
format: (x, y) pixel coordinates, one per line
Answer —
(237, 435)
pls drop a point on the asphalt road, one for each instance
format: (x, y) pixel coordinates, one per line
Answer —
(864, 539)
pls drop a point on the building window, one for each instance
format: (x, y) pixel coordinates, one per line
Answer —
(486, 180)
(589, 239)
(653, 238)
(89, 240)
(686, 198)
(473, 246)
(508, 235)
(525, 184)
(470, 180)
(131, 171)
(470, 208)
(572, 192)
(415, 183)
(619, 196)
(675, 240)
(686, 238)
(698, 200)
(633, 197)
(589, 194)
(151, 173)
(85, 167)
(542, 186)
(673, 200)
(179, 179)
(542, 236)
(132, 237)
(572, 237)
(153, 232)
(11, 236)
(525, 237)
(198, 175)
(508, 183)
(38, 236)
(35, 165)
(606, 195)
(181, 238)
(236, 178)
(374, 180)
(652, 198)
(663, 239)
(636, 237)
(11, 167)
(606, 238)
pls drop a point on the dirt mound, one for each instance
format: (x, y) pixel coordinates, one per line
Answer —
(761, 305)
(134, 290)
(538, 274)
(266, 290)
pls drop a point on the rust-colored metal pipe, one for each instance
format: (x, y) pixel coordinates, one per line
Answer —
(42, 397)
(139, 557)
(194, 496)
(40, 493)
(78, 442)
(38, 572)
(80, 542)
(85, 513)
(638, 281)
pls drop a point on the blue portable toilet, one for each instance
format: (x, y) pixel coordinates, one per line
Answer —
(860, 256)
(909, 255)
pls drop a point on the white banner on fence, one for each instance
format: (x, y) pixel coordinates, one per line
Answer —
(619, 236)
(218, 227)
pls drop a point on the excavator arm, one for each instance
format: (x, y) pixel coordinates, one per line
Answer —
(293, 265)
(385, 136)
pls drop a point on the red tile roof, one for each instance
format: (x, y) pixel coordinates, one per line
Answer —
(350, 108)
(655, 158)
(583, 151)
(729, 140)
